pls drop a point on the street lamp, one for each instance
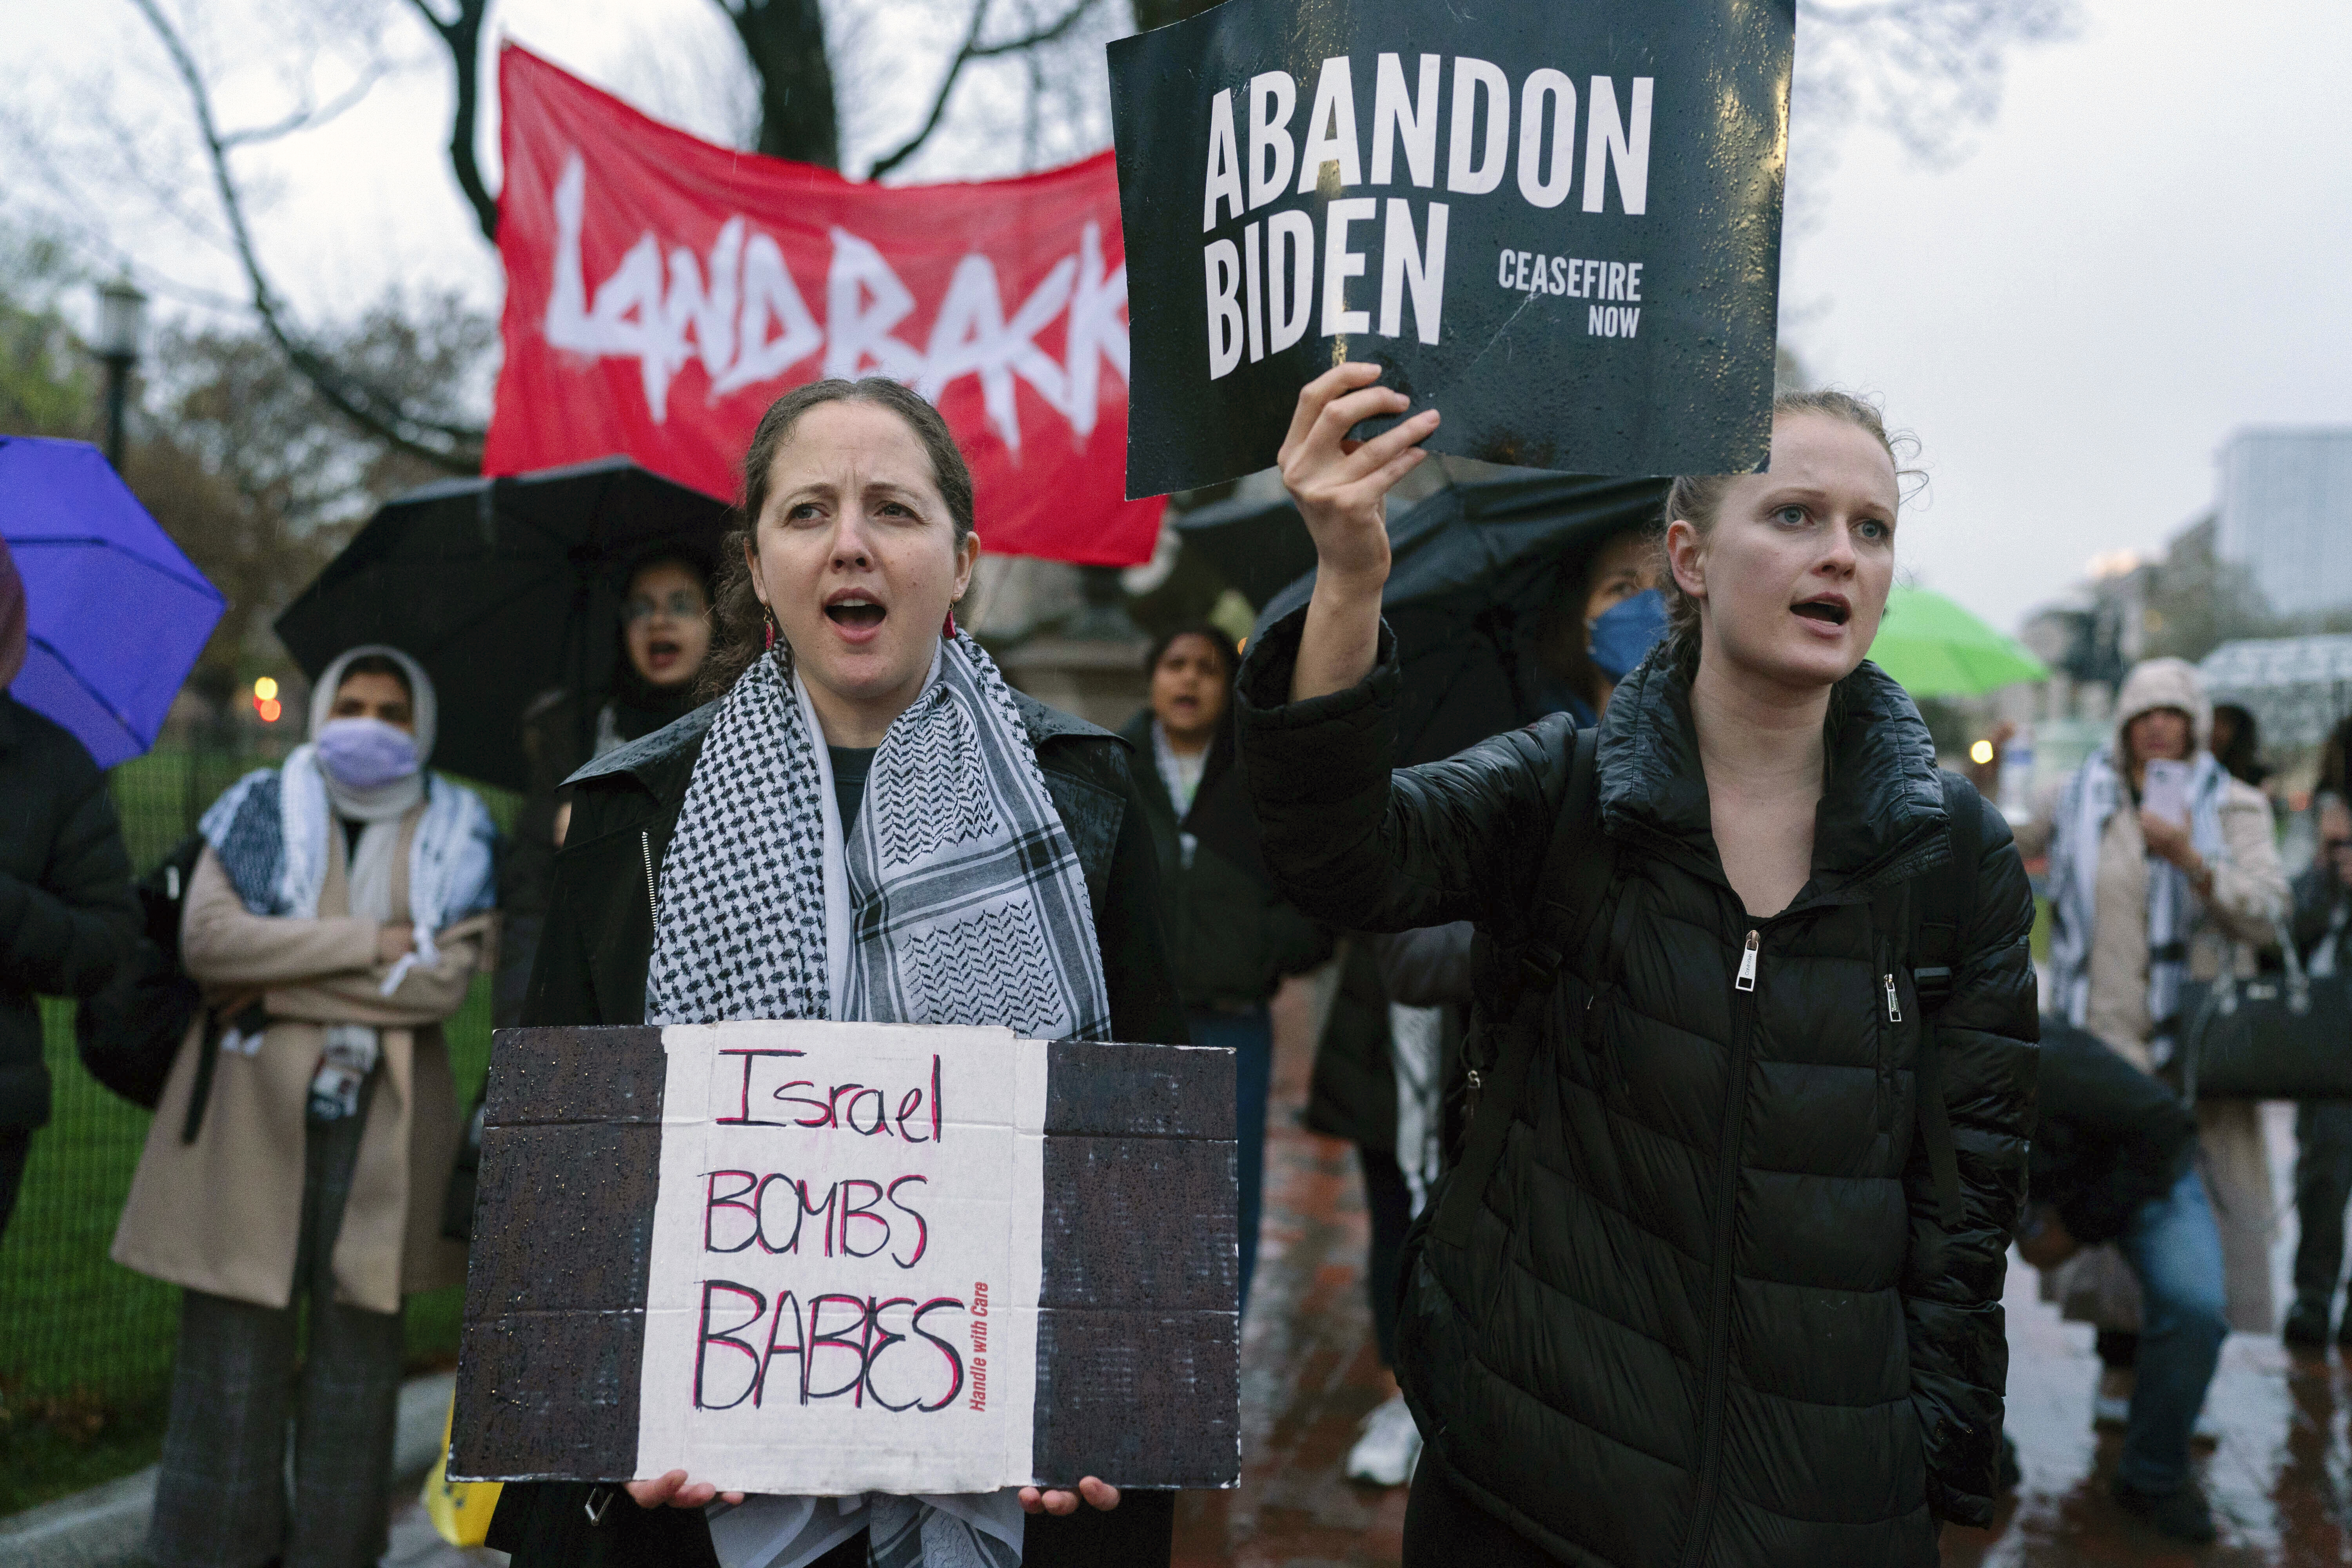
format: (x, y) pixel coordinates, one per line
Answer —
(122, 320)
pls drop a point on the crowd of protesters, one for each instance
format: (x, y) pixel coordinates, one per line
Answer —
(1686, 1035)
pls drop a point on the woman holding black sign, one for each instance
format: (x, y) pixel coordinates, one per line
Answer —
(1717, 1276)
(758, 858)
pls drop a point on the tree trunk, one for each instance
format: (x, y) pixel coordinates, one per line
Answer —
(784, 40)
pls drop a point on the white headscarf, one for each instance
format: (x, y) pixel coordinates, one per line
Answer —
(389, 802)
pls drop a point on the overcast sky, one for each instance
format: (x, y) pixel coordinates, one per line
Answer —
(2146, 250)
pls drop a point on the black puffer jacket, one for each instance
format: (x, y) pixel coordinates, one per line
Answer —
(2107, 1138)
(1707, 1315)
(66, 912)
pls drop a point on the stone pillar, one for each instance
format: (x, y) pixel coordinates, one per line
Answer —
(1101, 681)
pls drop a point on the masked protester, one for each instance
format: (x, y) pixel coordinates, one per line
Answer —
(66, 914)
(1714, 1300)
(1602, 627)
(664, 637)
(772, 824)
(2152, 885)
(334, 921)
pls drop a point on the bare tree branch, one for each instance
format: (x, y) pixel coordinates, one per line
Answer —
(974, 50)
(1928, 70)
(304, 118)
(454, 448)
(462, 36)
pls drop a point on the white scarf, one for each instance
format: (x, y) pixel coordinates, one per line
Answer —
(957, 899)
(2091, 798)
(271, 828)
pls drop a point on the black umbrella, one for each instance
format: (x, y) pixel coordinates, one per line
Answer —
(502, 589)
(1473, 568)
(1258, 547)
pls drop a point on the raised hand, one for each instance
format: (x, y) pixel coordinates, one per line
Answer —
(1341, 488)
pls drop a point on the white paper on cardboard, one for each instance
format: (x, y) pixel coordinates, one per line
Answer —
(847, 1258)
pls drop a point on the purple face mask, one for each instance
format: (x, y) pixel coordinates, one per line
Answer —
(365, 754)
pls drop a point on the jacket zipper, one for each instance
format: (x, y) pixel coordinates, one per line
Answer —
(1727, 1192)
(653, 898)
(1887, 1042)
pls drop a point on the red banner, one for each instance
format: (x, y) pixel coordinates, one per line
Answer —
(661, 291)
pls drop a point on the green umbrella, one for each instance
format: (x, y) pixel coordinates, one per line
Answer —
(1938, 650)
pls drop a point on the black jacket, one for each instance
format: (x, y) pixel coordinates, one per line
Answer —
(67, 916)
(1230, 937)
(1707, 1315)
(2107, 1138)
(592, 970)
(2323, 907)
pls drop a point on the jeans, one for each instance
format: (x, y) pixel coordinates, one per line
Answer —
(2323, 1185)
(1249, 1035)
(2175, 1248)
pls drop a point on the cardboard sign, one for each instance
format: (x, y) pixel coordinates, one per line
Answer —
(1559, 224)
(824, 1259)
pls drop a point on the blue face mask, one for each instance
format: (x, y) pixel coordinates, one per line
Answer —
(365, 754)
(1624, 632)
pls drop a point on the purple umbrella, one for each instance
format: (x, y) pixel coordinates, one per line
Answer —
(117, 613)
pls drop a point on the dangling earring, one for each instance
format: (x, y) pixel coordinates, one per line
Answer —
(769, 616)
(947, 628)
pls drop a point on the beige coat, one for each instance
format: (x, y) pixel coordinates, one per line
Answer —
(2249, 887)
(221, 1214)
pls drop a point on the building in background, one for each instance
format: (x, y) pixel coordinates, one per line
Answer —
(2286, 516)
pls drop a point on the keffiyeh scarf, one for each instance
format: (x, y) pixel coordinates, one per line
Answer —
(270, 831)
(958, 898)
(2093, 796)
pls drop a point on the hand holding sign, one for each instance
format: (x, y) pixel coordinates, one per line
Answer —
(1341, 487)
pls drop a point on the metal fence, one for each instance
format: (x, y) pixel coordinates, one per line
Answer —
(85, 1344)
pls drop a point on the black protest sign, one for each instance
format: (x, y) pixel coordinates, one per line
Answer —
(826, 1258)
(1559, 224)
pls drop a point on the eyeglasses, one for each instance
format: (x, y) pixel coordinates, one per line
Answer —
(680, 605)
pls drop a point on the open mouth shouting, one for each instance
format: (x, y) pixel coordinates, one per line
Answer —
(857, 612)
(1827, 612)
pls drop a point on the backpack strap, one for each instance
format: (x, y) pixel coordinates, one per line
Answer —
(1943, 905)
(1576, 873)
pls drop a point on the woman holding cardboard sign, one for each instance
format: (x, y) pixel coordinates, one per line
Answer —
(758, 858)
(1716, 1275)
